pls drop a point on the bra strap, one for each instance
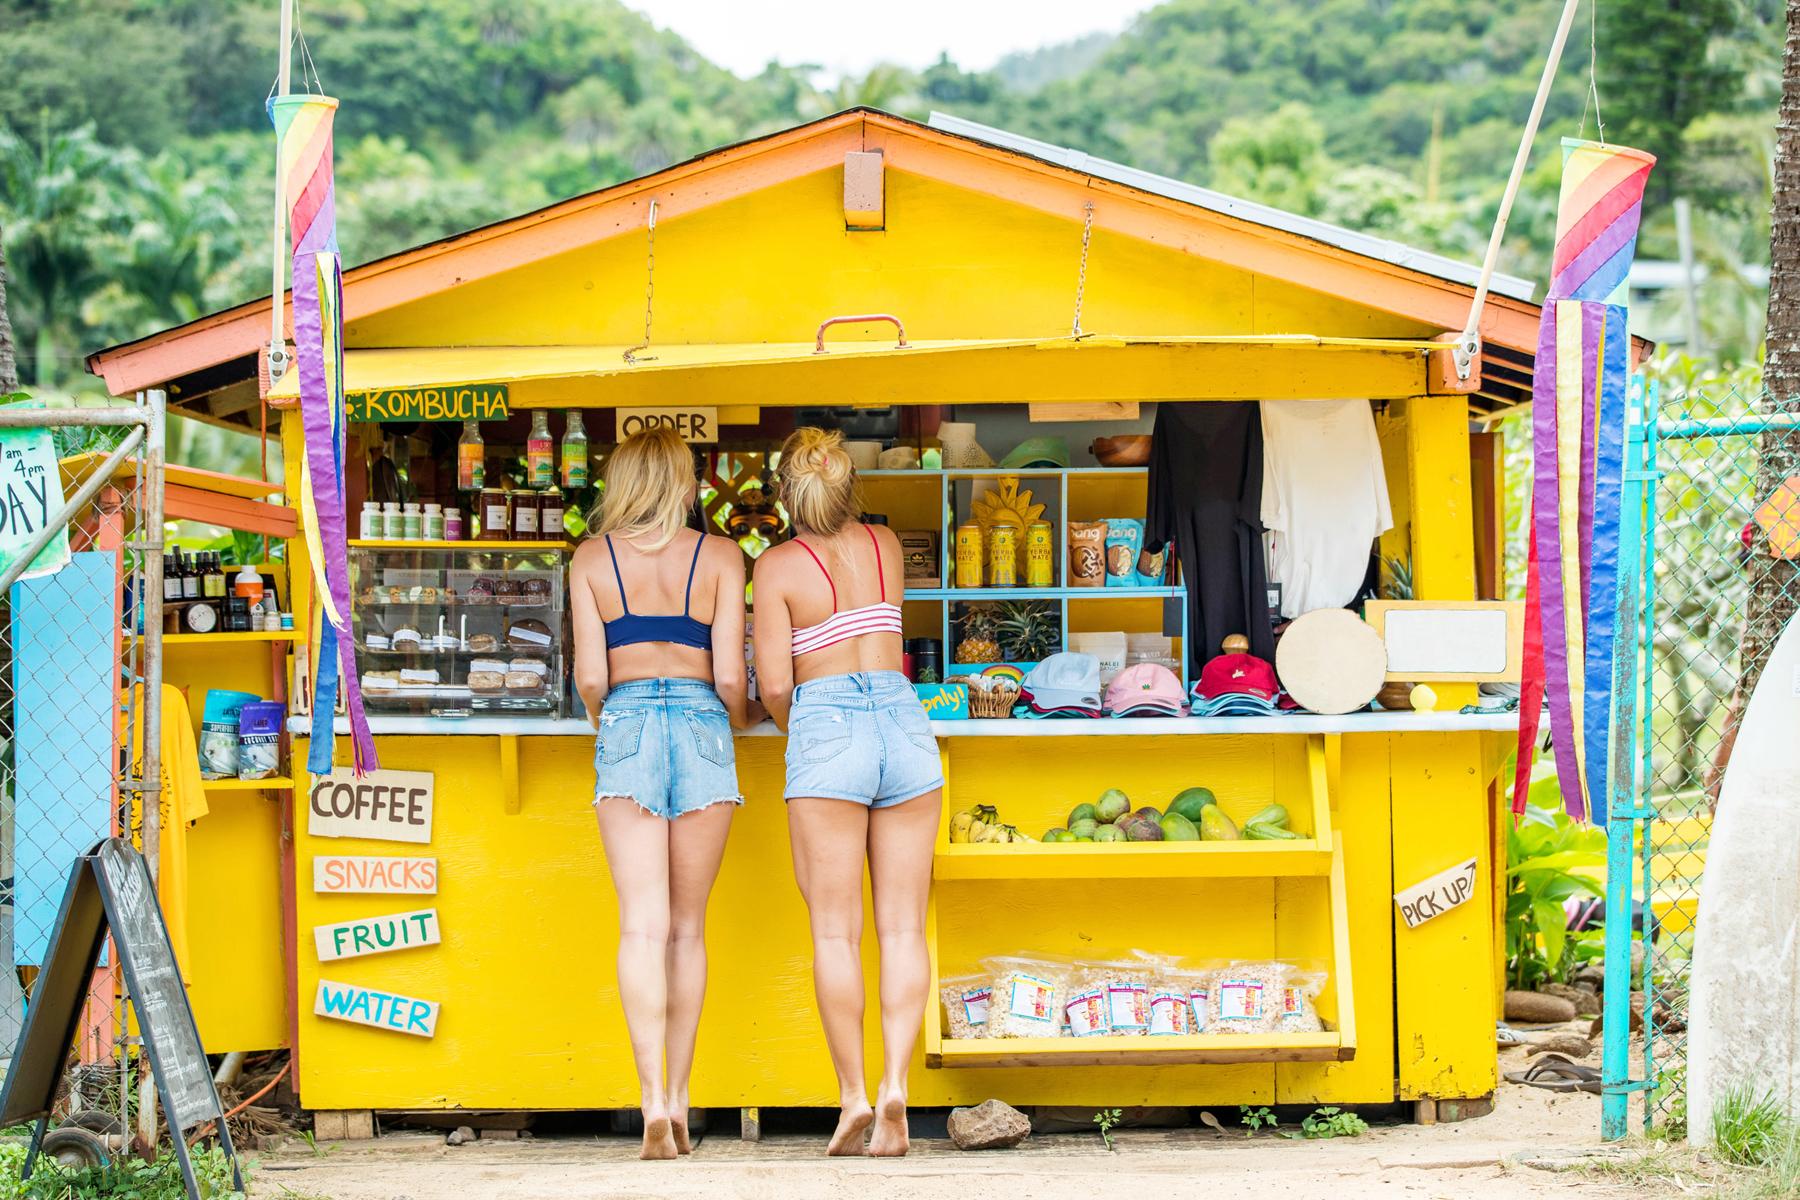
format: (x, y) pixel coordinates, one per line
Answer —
(613, 554)
(827, 574)
(879, 577)
(688, 600)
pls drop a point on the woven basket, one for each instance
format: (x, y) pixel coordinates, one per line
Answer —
(995, 701)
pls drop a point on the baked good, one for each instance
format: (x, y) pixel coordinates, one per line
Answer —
(483, 643)
(528, 633)
(536, 666)
(380, 681)
(488, 664)
(524, 681)
(418, 677)
(535, 590)
(480, 592)
(407, 639)
(428, 594)
(395, 595)
(487, 681)
(376, 641)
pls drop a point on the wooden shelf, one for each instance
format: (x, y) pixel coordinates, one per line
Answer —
(225, 639)
(1003, 472)
(1046, 593)
(465, 544)
(1131, 860)
(1141, 1051)
(273, 784)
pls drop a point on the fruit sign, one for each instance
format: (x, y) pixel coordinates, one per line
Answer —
(1438, 895)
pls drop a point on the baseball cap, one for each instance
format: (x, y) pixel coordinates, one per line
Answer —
(1145, 690)
(1063, 683)
(1038, 452)
(1236, 685)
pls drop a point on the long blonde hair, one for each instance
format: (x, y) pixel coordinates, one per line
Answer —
(648, 486)
(818, 481)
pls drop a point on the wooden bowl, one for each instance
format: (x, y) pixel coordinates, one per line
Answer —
(1126, 450)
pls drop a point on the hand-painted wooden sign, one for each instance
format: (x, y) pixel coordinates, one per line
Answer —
(30, 494)
(693, 424)
(375, 1008)
(374, 874)
(376, 935)
(393, 806)
(474, 402)
(1437, 895)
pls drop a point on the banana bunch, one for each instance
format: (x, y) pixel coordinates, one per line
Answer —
(981, 825)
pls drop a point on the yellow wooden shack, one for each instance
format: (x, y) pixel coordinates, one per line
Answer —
(1018, 274)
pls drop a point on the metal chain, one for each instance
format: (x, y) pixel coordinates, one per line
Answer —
(1087, 233)
(631, 355)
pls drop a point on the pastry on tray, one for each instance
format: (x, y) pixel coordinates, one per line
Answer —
(528, 633)
(493, 665)
(536, 666)
(483, 643)
(524, 681)
(380, 681)
(480, 592)
(487, 681)
(407, 639)
(377, 641)
(534, 591)
(419, 677)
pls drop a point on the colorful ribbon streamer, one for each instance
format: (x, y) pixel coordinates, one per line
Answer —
(1578, 446)
(303, 132)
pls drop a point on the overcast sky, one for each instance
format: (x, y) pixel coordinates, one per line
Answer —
(845, 36)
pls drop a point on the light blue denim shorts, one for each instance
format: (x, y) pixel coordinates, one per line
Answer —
(862, 737)
(666, 744)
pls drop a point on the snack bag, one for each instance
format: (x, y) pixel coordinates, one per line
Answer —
(1246, 997)
(1299, 1010)
(1171, 1011)
(1124, 536)
(1087, 553)
(966, 1000)
(1026, 996)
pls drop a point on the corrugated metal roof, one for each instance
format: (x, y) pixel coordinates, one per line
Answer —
(1381, 249)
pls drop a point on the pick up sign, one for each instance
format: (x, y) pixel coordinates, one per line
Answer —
(1437, 895)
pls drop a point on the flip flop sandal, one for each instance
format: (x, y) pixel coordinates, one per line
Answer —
(1557, 1073)
(1506, 1035)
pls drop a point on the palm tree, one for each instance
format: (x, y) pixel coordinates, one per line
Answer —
(1774, 586)
(9, 370)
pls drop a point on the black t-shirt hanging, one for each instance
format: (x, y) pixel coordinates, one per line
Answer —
(1206, 470)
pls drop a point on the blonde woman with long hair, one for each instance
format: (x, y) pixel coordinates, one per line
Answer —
(658, 611)
(863, 775)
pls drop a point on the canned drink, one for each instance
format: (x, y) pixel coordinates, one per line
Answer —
(1003, 556)
(1040, 555)
(968, 555)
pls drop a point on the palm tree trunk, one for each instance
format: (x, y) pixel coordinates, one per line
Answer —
(1774, 586)
(9, 367)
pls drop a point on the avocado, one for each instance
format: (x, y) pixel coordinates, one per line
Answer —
(1063, 835)
(1112, 805)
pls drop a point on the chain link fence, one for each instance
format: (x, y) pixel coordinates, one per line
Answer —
(1713, 591)
(73, 658)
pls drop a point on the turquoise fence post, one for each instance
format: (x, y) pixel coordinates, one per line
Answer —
(1622, 798)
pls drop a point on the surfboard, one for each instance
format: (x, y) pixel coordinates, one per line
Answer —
(1744, 986)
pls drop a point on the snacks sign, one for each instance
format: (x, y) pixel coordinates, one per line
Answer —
(360, 874)
(391, 806)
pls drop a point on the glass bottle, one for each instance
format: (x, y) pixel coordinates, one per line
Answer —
(574, 452)
(540, 453)
(214, 584)
(471, 459)
(171, 576)
(190, 579)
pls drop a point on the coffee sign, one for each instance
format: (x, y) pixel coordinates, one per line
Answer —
(1438, 895)
(392, 806)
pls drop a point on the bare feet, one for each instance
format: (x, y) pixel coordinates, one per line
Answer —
(889, 1139)
(659, 1139)
(680, 1130)
(853, 1121)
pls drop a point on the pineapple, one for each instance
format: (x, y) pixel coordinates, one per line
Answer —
(980, 641)
(1028, 630)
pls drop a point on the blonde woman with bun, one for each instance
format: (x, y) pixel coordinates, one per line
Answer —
(658, 611)
(863, 775)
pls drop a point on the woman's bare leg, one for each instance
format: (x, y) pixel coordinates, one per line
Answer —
(828, 837)
(637, 855)
(901, 841)
(696, 844)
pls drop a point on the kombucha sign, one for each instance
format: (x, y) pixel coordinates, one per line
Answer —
(392, 806)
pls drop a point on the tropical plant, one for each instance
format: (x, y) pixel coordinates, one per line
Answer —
(1549, 858)
(9, 368)
(1029, 630)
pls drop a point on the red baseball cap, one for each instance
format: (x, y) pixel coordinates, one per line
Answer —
(1237, 675)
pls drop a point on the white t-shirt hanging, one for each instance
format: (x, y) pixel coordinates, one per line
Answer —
(1324, 499)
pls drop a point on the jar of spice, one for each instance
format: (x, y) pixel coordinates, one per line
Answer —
(496, 518)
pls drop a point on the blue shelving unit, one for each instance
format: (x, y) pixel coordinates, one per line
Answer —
(1063, 594)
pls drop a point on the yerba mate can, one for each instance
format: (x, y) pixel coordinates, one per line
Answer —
(1003, 556)
(968, 555)
(1040, 555)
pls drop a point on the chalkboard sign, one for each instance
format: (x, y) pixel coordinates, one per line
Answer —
(110, 890)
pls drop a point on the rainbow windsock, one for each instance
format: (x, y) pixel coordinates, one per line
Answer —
(303, 133)
(1578, 462)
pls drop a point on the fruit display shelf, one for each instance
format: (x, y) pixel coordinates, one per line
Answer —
(1133, 860)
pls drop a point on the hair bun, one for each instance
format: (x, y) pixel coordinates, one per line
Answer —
(818, 480)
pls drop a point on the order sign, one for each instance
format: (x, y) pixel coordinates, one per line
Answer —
(693, 424)
(391, 806)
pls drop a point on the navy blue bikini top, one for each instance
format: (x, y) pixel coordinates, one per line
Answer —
(633, 628)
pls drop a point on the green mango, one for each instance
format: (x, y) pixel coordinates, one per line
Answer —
(1215, 826)
(1063, 835)
(1273, 815)
(1083, 812)
(1269, 833)
(1050, 835)
(1084, 828)
(1190, 802)
(1177, 828)
(1109, 833)
(1112, 805)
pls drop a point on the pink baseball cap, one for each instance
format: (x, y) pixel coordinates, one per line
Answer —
(1147, 689)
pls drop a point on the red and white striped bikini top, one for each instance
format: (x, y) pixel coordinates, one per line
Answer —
(852, 622)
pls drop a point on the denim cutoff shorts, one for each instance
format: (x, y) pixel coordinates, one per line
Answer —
(666, 744)
(862, 737)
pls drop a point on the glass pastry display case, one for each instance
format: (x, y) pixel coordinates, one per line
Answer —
(453, 629)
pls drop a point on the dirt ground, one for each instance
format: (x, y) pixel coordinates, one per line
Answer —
(1489, 1158)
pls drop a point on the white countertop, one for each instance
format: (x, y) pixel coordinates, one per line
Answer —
(1361, 722)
